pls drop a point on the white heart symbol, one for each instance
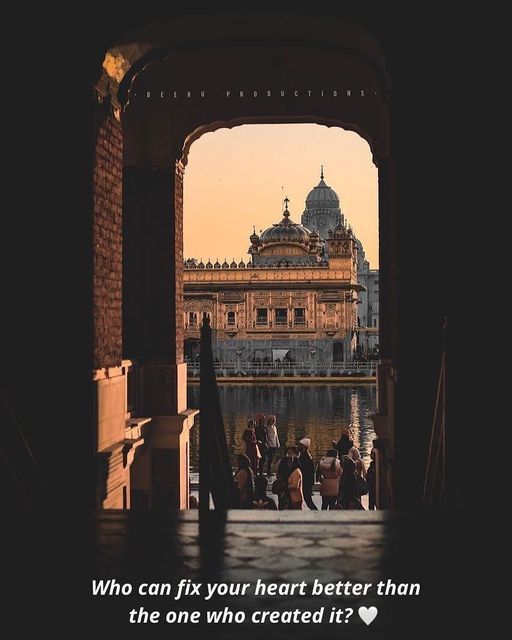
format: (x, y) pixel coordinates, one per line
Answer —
(368, 614)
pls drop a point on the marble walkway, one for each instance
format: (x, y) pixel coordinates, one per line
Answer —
(278, 547)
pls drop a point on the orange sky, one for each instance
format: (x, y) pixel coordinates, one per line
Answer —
(234, 176)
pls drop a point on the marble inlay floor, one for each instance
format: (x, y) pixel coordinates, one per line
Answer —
(278, 547)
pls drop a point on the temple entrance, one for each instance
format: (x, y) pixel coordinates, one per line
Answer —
(337, 352)
(151, 130)
(191, 351)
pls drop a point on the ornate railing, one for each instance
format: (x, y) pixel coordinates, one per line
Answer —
(239, 366)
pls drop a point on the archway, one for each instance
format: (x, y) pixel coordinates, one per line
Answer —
(337, 352)
(191, 350)
(211, 88)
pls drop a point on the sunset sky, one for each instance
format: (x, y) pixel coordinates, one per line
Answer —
(233, 181)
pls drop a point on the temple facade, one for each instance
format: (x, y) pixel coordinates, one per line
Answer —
(296, 299)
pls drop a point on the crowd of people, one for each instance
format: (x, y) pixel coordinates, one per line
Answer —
(341, 473)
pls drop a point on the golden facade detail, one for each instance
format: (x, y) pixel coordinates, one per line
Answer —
(298, 295)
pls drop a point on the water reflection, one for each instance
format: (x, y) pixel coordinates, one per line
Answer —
(318, 411)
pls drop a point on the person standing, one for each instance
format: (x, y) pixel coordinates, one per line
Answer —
(251, 445)
(328, 474)
(348, 496)
(307, 467)
(371, 481)
(280, 484)
(294, 494)
(244, 481)
(261, 436)
(345, 443)
(272, 441)
(356, 457)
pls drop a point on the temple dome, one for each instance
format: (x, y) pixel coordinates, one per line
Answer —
(285, 231)
(285, 243)
(322, 196)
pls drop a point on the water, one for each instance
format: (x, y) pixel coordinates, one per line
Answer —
(317, 411)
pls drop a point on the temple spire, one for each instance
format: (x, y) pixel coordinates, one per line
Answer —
(322, 172)
(286, 213)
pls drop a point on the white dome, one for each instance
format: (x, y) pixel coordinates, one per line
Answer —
(322, 196)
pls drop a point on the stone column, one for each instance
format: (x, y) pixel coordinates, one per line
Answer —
(384, 419)
(155, 332)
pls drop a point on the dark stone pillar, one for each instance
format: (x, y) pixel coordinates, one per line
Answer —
(159, 270)
(148, 264)
(387, 261)
(153, 281)
(153, 327)
(384, 419)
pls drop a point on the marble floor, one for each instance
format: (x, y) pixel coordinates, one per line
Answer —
(277, 547)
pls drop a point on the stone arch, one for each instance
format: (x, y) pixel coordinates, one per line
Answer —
(143, 147)
(237, 122)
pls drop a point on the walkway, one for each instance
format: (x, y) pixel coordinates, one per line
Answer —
(281, 547)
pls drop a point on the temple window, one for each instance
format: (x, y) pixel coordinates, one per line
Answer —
(299, 315)
(261, 316)
(281, 316)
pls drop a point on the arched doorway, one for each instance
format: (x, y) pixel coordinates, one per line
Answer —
(148, 127)
(191, 351)
(337, 352)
